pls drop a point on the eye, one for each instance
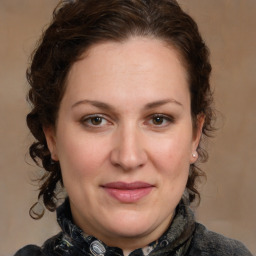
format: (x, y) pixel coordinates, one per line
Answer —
(160, 120)
(95, 121)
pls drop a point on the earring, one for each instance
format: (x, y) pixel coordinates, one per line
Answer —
(194, 154)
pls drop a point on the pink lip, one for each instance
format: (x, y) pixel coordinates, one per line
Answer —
(128, 192)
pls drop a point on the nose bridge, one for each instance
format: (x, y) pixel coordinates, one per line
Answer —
(129, 152)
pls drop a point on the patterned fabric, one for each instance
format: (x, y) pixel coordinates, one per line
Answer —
(184, 237)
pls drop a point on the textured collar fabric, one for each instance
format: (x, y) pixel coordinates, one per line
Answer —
(73, 241)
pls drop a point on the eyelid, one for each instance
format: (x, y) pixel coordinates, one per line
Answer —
(162, 115)
(92, 116)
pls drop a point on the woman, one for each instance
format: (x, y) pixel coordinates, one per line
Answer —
(120, 100)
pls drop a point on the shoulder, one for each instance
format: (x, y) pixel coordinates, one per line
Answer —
(208, 243)
(29, 250)
(45, 250)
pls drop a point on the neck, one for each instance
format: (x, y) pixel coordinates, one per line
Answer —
(126, 252)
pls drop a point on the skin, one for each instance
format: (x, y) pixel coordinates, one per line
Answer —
(124, 86)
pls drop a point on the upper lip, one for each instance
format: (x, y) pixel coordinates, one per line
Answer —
(127, 186)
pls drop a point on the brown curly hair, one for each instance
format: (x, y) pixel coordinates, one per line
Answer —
(79, 24)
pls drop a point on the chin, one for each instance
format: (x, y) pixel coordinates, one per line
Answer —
(132, 224)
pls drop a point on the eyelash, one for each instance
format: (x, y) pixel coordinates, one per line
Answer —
(87, 120)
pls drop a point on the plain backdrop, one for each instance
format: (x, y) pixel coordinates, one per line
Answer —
(228, 198)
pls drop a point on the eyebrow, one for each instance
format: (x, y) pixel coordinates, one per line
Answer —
(105, 106)
(161, 103)
(94, 103)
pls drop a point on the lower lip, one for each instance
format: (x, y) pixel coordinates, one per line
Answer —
(128, 195)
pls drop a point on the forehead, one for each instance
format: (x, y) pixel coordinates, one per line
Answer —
(138, 66)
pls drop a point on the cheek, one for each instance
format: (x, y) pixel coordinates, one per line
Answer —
(82, 156)
(172, 160)
(171, 153)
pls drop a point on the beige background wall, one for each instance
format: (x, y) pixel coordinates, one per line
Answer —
(229, 197)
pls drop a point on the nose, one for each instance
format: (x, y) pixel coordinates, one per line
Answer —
(128, 152)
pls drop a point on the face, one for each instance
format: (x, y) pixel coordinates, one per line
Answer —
(124, 139)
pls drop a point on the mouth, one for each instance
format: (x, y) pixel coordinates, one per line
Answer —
(128, 192)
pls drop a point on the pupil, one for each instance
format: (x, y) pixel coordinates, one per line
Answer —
(158, 120)
(96, 120)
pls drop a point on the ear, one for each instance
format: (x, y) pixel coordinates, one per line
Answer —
(196, 137)
(50, 136)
